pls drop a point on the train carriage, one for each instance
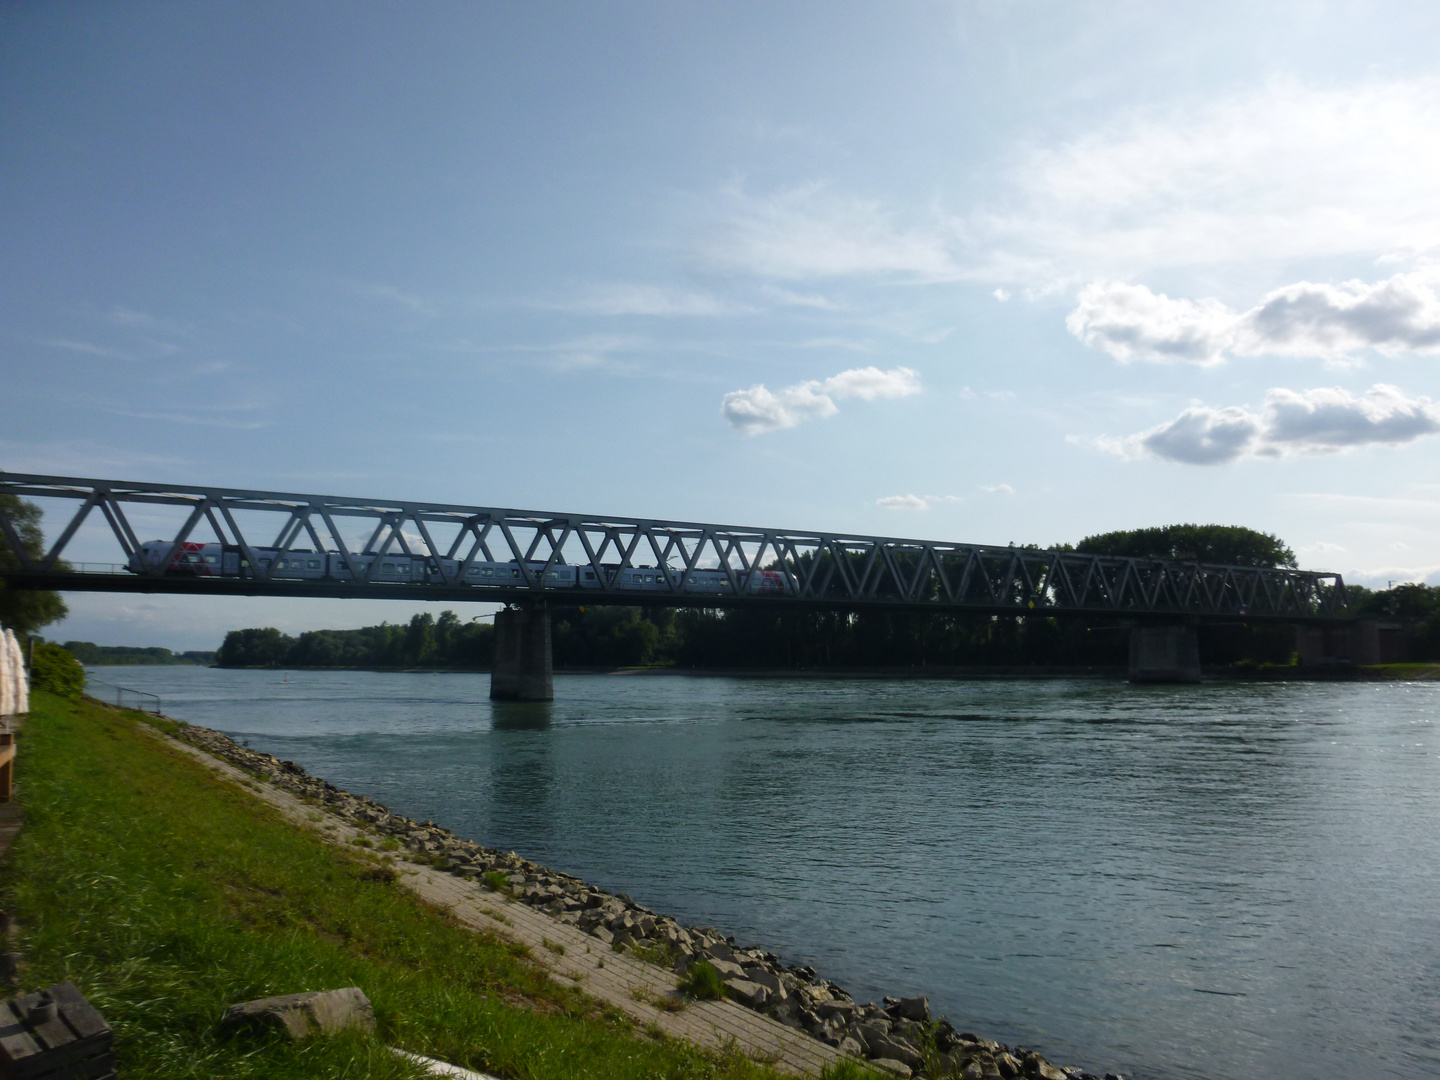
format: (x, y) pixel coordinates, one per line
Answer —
(194, 559)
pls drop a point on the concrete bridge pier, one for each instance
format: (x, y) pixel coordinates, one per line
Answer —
(523, 669)
(1164, 654)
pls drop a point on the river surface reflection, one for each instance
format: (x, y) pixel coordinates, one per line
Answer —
(1222, 881)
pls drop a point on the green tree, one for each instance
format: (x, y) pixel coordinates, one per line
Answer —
(420, 640)
(1233, 545)
(265, 647)
(25, 610)
(54, 669)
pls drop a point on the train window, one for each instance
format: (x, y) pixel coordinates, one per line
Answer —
(210, 559)
(314, 564)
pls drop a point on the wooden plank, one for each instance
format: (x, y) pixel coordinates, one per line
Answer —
(61, 1058)
(76, 1043)
(93, 1069)
(16, 1044)
(82, 1017)
(49, 1034)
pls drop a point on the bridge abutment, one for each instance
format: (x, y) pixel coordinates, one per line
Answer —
(1164, 654)
(523, 668)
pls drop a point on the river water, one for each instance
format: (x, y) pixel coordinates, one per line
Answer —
(1225, 881)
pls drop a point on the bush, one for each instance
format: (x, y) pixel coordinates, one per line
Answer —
(703, 982)
(54, 669)
(495, 881)
(850, 1069)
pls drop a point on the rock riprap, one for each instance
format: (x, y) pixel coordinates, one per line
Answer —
(897, 1034)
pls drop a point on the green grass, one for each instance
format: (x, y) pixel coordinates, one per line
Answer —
(166, 893)
(703, 982)
(660, 953)
(852, 1070)
(495, 881)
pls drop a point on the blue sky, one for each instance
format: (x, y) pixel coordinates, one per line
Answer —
(982, 271)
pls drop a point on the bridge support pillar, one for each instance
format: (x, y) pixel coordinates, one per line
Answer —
(523, 669)
(1164, 654)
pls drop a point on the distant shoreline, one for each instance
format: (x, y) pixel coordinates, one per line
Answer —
(1420, 672)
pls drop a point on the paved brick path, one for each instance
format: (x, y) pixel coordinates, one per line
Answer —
(619, 979)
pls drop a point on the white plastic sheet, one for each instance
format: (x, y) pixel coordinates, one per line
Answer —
(14, 685)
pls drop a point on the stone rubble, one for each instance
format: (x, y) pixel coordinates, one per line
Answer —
(898, 1034)
(327, 1012)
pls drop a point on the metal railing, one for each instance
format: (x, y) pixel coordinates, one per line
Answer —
(125, 697)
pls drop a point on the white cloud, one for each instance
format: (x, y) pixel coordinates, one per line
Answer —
(1278, 173)
(1204, 436)
(915, 502)
(1385, 577)
(630, 299)
(870, 383)
(1333, 419)
(85, 347)
(758, 409)
(130, 319)
(903, 502)
(791, 298)
(997, 489)
(1399, 314)
(811, 232)
(417, 305)
(1323, 420)
(1132, 323)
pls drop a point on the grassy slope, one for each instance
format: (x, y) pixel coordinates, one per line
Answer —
(166, 894)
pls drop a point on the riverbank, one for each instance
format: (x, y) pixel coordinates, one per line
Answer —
(891, 1031)
(166, 893)
(897, 1035)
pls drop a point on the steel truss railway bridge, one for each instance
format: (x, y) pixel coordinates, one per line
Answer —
(1164, 600)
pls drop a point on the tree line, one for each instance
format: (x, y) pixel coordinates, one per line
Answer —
(760, 638)
(92, 655)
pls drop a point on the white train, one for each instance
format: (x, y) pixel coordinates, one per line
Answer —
(225, 560)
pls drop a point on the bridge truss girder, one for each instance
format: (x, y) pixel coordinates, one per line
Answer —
(820, 569)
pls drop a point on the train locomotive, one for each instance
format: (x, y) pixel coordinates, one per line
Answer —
(194, 559)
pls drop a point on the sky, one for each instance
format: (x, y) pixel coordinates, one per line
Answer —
(979, 272)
